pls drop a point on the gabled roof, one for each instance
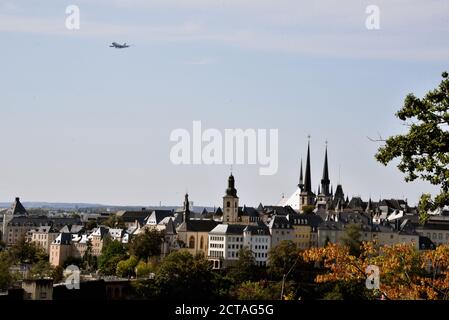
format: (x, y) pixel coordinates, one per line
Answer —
(63, 239)
(132, 216)
(72, 229)
(159, 215)
(226, 229)
(100, 231)
(170, 227)
(356, 203)
(259, 229)
(279, 210)
(312, 220)
(197, 226)
(248, 211)
(280, 222)
(17, 208)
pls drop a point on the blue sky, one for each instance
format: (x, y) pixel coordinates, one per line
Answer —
(84, 122)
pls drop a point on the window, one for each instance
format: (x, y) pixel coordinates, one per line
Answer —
(201, 243)
(192, 242)
(228, 204)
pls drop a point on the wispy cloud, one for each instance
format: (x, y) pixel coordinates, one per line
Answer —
(409, 29)
(204, 61)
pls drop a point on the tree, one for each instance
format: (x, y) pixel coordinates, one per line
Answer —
(5, 274)
(58, 274)
(91, 224)
(187, 277)
(424, 150)
(89, 260)
(351, 238)
(26, 252)
(111, 254)
(42, 269)
(244, 268)
(115, 221)
(127, 268)
(263, 290)
(308, 209)
(405, 273)
(282, 258)
(144, 269)
(147, 244)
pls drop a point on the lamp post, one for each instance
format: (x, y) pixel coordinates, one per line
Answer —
(285, 277)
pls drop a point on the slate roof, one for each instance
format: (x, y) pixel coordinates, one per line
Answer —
(17, 208)
(279, 210)
(226, 229)
(159, 215)
(197, 225)
(63, 238)
(312, 220)
(259, 229)
(132, 216)
(37, 221)
(280, 222)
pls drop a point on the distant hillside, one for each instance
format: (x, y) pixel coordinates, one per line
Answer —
(75, 206)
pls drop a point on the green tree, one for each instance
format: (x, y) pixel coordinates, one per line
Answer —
(351, 238)
(26, 252)
(424, 149)
(283, 258)
(127, 268)
(147, 244)
(112, 253)
(244, 269)
(308, 209)
(89, 260)
(91, 224)
(184, 276)
(263, 290)
(115, 221)
(5, 274)
(143, 269)
(58, 274)
(42, 269)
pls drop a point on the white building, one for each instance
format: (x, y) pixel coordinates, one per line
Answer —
(226, 240)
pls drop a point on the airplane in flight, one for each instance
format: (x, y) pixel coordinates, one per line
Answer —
(118, 46)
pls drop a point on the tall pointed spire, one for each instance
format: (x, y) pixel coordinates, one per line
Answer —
(186, 208)
(325, 182)
(301, 179)
(308, 179)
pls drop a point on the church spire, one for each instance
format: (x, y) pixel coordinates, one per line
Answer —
(325, 182)
(186, 208)
(308, 180)
(301, 179)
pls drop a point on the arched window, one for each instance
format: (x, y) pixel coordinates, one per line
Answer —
(201, 243)
(228, 204)
(192, 242)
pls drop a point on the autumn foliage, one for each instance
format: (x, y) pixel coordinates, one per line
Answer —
(405, 272)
